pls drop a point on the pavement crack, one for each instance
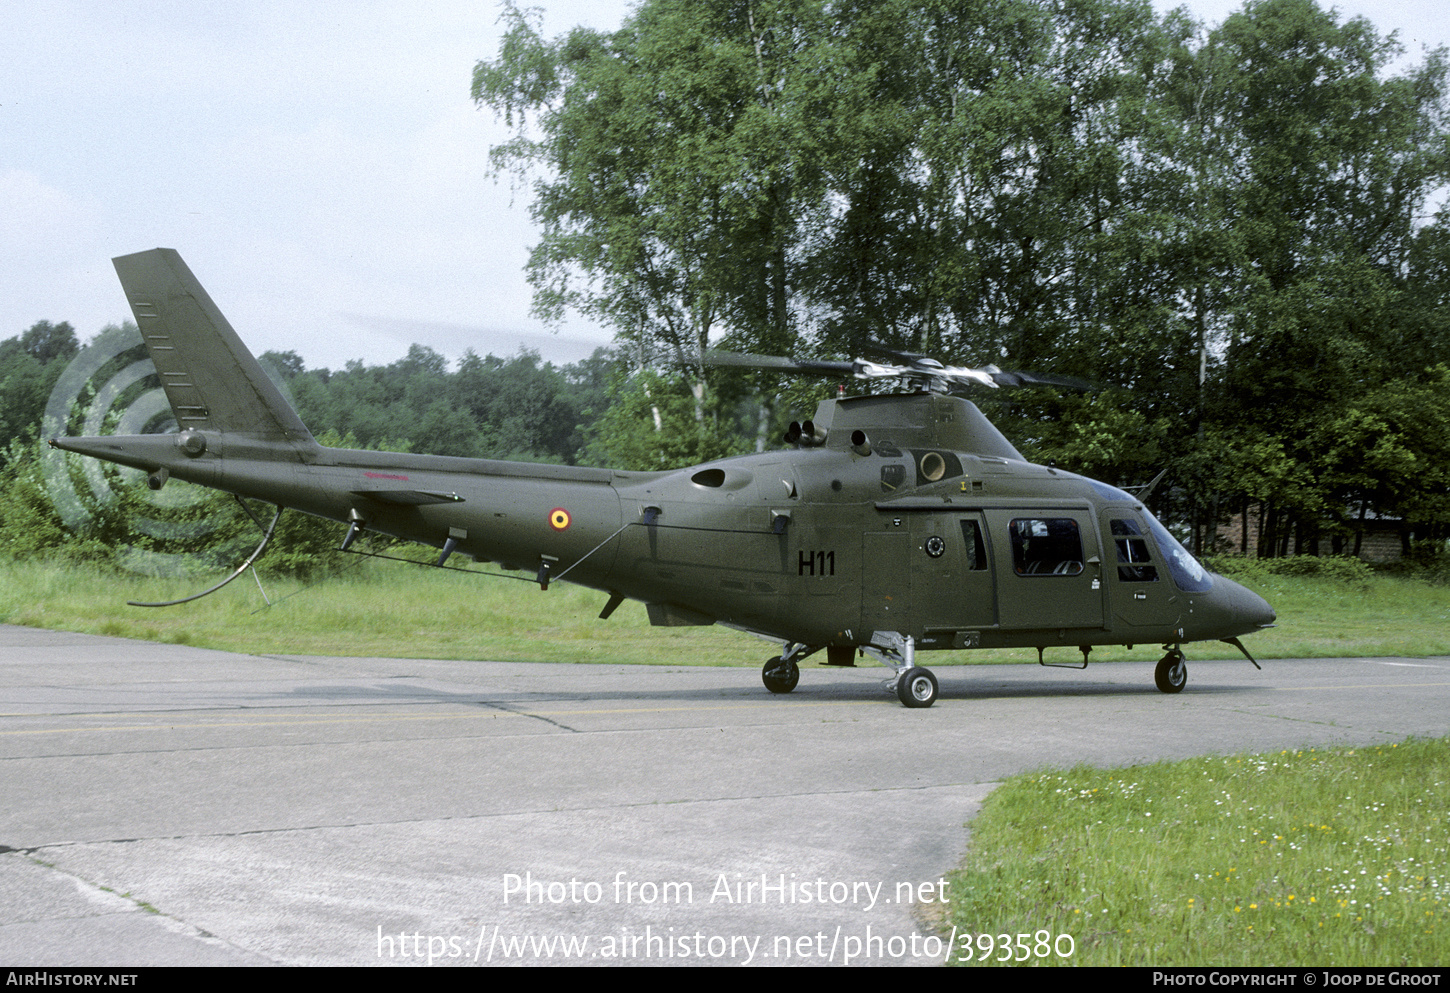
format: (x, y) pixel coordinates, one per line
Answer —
(100, 900)
(488, 704)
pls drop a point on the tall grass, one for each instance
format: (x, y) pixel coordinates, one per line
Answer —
(394, 609)
(376, 609)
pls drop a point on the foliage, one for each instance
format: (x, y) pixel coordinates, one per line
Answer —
(1427, 560)
(1223, 227)
(520, 408)
(1336, 568)
(29, 366)
(681, 164)
(1101, 436)
(650, 425)
(29, 524)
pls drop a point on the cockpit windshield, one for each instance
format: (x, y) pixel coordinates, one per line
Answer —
(1188, 575)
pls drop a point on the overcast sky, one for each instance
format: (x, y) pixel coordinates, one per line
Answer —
(319, 166)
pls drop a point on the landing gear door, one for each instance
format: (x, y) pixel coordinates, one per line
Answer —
(1049, 566)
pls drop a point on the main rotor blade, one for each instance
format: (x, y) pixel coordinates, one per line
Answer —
(918, 368)
(910, 358)
(821, 367)
(1014, 378)
(925, 365)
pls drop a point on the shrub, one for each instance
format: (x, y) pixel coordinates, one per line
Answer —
(1344, 569)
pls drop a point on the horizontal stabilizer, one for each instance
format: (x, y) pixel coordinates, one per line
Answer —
(210, 379)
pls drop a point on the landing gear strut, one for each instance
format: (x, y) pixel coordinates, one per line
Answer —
(914, 686)
(1172, 672)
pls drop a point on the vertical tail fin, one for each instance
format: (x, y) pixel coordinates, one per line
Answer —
(211, 380)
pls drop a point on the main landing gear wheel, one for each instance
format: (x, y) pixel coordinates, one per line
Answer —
(1172, 673)
(916, 688)
(779, 675)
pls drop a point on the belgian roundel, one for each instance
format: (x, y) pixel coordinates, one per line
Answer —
(558, 518)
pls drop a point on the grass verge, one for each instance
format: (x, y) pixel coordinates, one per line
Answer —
(388, 610)
(397, 610)
(1312, 857)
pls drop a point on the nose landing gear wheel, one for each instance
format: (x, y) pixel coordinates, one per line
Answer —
(779, 675)
(916, 688)
(1172, 673)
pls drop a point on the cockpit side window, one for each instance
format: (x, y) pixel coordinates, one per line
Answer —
(1134, 559)
(1048, 546)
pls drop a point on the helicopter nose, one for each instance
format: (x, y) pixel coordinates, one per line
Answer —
(1237, 609)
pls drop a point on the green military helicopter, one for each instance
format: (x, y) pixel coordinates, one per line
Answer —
(894, 524)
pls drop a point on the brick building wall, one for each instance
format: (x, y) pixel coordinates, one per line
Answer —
(1381, 541)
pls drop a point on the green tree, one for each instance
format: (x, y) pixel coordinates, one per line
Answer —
(649, 425)
(30, 363)
(1227, 223)
(1332, 165)
(1389, 450)
(676, 164)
